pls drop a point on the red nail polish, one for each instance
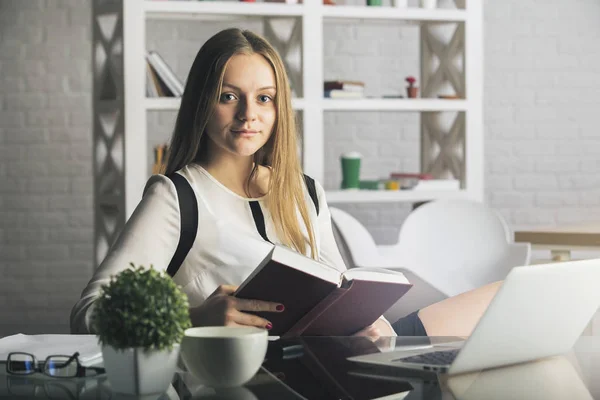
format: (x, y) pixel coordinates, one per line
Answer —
(280, 307)
(269, 326)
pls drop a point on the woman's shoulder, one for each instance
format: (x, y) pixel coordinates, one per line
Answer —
(159, 184)
(166, 185)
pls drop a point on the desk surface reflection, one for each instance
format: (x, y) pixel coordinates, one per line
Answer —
(317, 369)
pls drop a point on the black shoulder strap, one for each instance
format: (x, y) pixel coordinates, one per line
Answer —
(312, 191)
(188, 211)
(259, 218)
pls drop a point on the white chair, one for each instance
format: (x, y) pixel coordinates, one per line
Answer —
(458, 245)
(358, 249)
(451, 246)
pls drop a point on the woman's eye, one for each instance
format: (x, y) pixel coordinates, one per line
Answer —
(265, 98)
(227, 97)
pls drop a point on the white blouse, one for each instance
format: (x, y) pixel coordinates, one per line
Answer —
(227, 247)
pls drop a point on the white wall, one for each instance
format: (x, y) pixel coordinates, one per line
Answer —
(542, 143)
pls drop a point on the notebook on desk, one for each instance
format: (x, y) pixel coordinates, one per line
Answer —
(539, 311)
(41, 346)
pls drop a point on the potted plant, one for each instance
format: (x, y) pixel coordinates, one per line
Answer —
(140, 318)
(412, 91)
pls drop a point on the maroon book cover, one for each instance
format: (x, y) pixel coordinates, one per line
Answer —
(343, 85)
(315, 304)
(353, 308)
(275, 280)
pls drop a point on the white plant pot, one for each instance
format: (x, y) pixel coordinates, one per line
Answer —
(400, 3)
(135, 372)
(429, 4)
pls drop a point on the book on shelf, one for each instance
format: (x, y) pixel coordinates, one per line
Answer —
(409, 175)
(151, 84)
(350, 86)
(342, 94)
(160, 153)
(164, 73)
(319, 299)
(156, 87)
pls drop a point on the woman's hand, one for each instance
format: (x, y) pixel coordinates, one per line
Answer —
(380, 333)
(222, 309)
(376, 330)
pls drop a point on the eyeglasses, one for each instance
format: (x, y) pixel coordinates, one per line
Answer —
(57, 366)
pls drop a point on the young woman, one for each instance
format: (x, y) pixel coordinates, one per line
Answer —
(235, 142)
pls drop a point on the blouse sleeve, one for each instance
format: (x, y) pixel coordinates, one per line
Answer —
(329, 252)
(149, 237)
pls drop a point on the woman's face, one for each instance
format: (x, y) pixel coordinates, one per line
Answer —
(244, 116)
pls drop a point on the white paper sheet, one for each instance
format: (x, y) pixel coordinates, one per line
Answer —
(42, 346)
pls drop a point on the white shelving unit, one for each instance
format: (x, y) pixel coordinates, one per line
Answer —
(120, 105)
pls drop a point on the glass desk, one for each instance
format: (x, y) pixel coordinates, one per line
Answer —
(317, 369)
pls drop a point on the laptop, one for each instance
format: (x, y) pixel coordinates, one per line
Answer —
(539, 311)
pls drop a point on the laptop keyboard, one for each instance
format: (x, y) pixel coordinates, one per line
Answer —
(442, 357)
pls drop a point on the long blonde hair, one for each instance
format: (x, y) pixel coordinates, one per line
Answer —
(285, 196)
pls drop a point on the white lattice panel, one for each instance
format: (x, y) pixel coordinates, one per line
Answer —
(109, 132)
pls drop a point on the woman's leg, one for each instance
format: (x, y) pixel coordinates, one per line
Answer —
(458, 315)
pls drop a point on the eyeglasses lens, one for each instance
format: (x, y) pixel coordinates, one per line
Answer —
(22, 364)
(60, 366)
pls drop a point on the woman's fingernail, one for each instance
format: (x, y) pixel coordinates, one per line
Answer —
(280, 307)
(269, 326)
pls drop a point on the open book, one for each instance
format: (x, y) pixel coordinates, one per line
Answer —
(319, 299)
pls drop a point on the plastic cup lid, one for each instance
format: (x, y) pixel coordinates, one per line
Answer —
(352, 154)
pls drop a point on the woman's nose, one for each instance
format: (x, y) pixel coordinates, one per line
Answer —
(247, 111)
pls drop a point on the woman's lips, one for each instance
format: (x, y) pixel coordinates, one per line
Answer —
(245, 132)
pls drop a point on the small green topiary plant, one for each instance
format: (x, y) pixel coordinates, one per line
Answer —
(141, 307)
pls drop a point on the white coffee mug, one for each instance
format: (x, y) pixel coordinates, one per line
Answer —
(221, 356)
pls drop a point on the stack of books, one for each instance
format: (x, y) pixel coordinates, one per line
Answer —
(160, 79)
(420, 181)
(342, 89)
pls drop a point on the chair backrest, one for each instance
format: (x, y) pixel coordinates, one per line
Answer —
(354, 240)
(457, 245)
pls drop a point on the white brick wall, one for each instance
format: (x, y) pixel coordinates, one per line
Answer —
(542, 139)
(541, 136)
(45, 162)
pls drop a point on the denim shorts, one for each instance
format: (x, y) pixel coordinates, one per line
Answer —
(410, 325)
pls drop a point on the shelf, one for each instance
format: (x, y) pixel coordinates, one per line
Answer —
(172, 104)
(394, 105)
(209, 9)
(393, 14)
(391, 196)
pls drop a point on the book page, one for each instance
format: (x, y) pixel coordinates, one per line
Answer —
(293, 259)
(375, 275)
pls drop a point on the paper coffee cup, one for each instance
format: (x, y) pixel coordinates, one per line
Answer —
(351, 170)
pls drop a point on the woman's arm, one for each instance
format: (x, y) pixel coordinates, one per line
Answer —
(149, 237)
